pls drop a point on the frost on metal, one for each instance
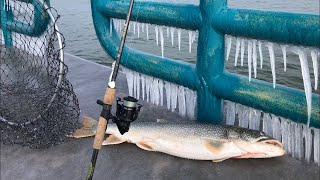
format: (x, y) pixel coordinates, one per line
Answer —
(173, 35)
(162, 93)
(254, 50)
(299, 140)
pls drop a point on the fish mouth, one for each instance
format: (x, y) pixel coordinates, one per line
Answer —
(271, 141)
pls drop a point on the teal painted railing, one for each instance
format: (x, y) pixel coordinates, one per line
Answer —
(213, 19)
(9, 24)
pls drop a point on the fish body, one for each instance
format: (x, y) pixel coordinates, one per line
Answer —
(197, 141)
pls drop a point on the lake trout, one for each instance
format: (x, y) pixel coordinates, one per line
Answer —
(191, 141)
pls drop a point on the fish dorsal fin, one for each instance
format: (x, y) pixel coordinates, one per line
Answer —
(146, 145)
(214, 145)
(112, 139)
(89, 126)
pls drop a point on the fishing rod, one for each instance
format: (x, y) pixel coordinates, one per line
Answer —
(127, 110)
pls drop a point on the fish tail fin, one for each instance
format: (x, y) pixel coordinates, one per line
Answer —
(88, 129)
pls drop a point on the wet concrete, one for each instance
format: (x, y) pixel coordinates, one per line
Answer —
(70, 161)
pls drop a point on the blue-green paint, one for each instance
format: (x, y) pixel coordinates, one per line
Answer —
(291, 28)
(36, 28)
(6, 14)
(208, 77)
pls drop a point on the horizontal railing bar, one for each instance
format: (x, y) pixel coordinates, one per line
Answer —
(177, 72)
(282, 27)
(282, 101)
(185, 16)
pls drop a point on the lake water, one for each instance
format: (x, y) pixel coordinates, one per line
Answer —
(77, 26)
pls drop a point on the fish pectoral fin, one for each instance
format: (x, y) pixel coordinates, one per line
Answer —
(112, 139)
(219, 160)
(88, 129)
(215, 146)
(146, 145)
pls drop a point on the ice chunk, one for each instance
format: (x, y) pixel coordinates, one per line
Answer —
(168, 93)
(174, 94)
(314, 57)
(306, 77)
(138, 28)
(316, 146)
(237, 51)
(260, 53)
(272, 62)
(161, 41)
(284, 54)
(110, 33)
(181, 101)
(179, 38)
(242, 50)
(249, 58)
(190, 39)
(229, 43)
(172, 35)
(147, 28)
(254, 57)
(156, 29)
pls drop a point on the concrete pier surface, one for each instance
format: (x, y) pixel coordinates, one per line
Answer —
(70, 161)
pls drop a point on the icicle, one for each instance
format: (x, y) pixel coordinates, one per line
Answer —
(129, 75)
(306, 77)
(193, 37)
(138, 85)
(172, 35)
(147, 28)
(134, 27)
(260, 53)
(161, 91)
(254, 57)
(110, 33)
(138, 28)
(237, 51)
(229, 43)
(168, 93)
(167, 31)
(298, 141)
(143, 85)
(267, 124)
(276, 127)
(161, 41)
(190, 102)
(179, 38)
(230, 112)
(156, 29)
(284, 133)
(156, 91)
(314, 57)
(142, 27)
(292, 138)
(249, 58)
(316, 146)
(174, 94)
(242, 51)
(181, 101)
(308, 142)
(243, 115)
(190, 45)
(149, 82)
(254, 119)
(284, 55)
(272, 62)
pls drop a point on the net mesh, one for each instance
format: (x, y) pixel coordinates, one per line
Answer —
(38, 107)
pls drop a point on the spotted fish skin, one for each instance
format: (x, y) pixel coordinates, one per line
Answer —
(195, 141)
(198, 141)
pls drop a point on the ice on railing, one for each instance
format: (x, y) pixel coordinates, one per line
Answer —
(314, 57)
(284, 54)
(160, 92)
(249, 58)
(161, 41)
(242, 50)
(229, 42)
(299, 140)
(260, 54)
(306, 77)
(272, 62)
(254, 57)
(138, 29)
(237, 51)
